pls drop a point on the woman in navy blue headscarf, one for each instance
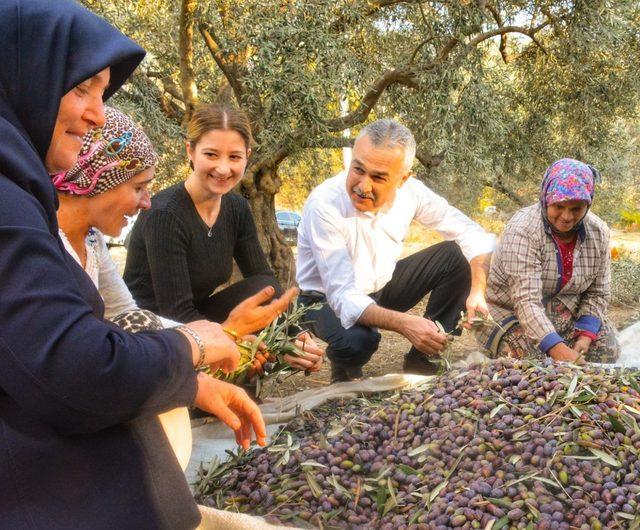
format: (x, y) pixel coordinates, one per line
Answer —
(80, 444)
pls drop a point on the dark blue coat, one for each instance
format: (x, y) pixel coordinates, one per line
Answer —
(80, 444)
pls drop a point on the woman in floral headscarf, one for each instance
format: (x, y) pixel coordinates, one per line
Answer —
(549, 284)
(108, 184)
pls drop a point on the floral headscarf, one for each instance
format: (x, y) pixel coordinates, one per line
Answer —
(568, 180)
(110, 155)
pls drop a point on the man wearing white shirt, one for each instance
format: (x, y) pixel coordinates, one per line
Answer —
(349, 241)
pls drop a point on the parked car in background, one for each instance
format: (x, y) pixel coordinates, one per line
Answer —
(125, 235)
(288, 222)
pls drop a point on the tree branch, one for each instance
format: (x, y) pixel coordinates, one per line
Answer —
(332, 142)
(502, 30)
(481, 37)
(187, 75)
(503, 38)
(168, 85)
(375, 6)
(430, 161)
(168, 106)
(229, 69)
(498, 185)
(418, 48)
(403, 76)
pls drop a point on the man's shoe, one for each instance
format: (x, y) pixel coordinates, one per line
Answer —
(417, 363)
(341, 373)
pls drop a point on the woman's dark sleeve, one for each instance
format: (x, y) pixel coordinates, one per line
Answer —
(57, 360)
(167, 242)
(247, 252)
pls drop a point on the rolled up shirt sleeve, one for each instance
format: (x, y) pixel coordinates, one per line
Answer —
(434, 212)
(334, 264)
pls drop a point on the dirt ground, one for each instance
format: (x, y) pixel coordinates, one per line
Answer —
(389, 357)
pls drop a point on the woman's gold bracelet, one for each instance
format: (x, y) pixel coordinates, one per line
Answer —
(232, 334)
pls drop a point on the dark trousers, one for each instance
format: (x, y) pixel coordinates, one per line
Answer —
(218, 306)
(441, 270)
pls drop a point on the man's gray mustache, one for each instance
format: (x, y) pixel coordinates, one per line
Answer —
(359, 193)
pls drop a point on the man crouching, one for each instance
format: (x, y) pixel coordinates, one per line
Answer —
(349, 243)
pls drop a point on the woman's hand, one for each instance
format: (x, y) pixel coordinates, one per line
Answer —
(582, 344)
(250, 316)
(562, 352)
(313, 355)
(232, 406)
(220, 351)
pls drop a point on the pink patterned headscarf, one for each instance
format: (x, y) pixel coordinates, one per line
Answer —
(568, 180)
(110, 155)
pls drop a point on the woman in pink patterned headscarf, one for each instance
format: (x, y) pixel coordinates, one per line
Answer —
(550, 280)
(108, 184)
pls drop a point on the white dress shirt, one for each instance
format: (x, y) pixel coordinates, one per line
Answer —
(347, 254)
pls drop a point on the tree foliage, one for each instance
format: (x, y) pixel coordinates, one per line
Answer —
(493, 90)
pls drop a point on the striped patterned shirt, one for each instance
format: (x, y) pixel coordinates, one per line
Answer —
(526, 275)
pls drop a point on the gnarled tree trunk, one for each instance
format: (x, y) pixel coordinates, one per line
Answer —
(260, 191)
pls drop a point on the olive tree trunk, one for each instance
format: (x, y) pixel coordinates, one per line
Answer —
(260, 191)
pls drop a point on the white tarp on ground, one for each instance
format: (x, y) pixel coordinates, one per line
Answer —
(212, 439)
(630, 343)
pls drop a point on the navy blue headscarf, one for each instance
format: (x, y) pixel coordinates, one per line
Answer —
(48, 47)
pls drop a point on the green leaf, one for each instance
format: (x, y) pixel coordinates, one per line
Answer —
(583, 397)
(616, 424)
(572, 385)
(313, 485)
(417, 450)
(632, 409)
(389, 505)
(312, 464)
(633, 382)
(575, 411)
(407, 469)
(415, 516)
(550, 482)
(496, 409)
(335, 431)
(499, 502)
(605, 457)
(339, 487)
(392, 491)
(465, 412)
(500, 523)
(436, 491)
(522, 479)
(381, 498)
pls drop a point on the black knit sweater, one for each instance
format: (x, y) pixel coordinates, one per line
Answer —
(174, 262)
